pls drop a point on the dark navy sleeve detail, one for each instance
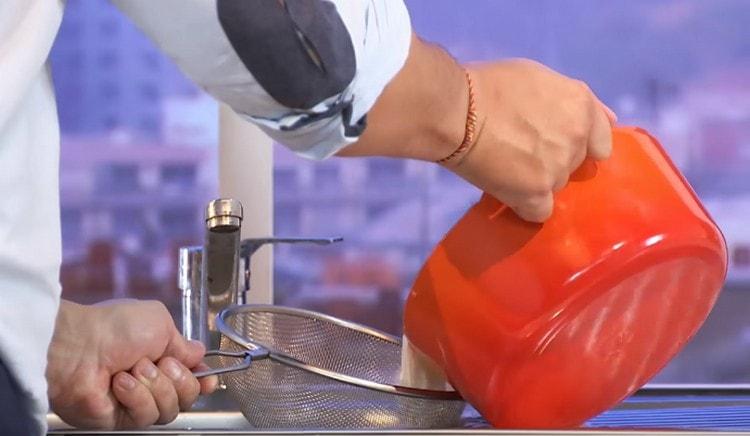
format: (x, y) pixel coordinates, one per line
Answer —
(353, 130)
(15, 408)
(299, 51)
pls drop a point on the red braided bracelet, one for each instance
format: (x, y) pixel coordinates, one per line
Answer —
(471, 123)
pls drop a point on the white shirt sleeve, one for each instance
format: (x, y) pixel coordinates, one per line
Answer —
(307, 73)
(29, 215)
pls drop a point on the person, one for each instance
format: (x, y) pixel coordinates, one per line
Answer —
(323, 77)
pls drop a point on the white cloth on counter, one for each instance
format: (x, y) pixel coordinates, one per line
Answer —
(217, 53)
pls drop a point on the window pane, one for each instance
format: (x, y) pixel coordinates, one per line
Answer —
(178, 177)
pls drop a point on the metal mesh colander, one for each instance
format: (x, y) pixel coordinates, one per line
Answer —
(322, 372)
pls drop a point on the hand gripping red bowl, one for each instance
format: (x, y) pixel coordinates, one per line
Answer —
(545, 326)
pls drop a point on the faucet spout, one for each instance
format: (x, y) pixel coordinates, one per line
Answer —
(221, 261)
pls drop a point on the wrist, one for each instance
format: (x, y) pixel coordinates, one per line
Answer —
(66, 347)
(471, 129)
(443, 92)
(421, 114)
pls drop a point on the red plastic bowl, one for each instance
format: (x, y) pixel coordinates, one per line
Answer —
(546, 326)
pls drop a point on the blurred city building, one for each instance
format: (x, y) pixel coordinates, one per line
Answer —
(707, 133)
(108, 75)
(126, 208)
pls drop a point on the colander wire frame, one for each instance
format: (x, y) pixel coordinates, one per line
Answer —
(318, 371)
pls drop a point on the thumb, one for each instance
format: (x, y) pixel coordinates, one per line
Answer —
(189, 353)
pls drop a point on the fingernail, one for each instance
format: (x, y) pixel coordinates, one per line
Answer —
(149, 371)
(126, 382)
(173, 370)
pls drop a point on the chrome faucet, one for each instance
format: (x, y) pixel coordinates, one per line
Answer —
(220, 262)
(209, 276)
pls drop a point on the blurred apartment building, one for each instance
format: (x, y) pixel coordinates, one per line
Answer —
(108, 75)
(125, 210)
(135, 166)
(707, 133)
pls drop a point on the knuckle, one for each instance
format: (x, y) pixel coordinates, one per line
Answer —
(189, 393)
(560, 184)
(540, 190)
(584, 98)
(526, 62)
(157, 306)
(83, 396)
(562, 162)
(578, 133)
(576, 162)
(76, 395)
(187, 403)
(95, 407)
(185, 385)
(141, 364)
(583, 87)
(604, 152)
(542, 185)
(536, 184)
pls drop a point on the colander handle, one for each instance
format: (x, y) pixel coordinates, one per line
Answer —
(246, 356)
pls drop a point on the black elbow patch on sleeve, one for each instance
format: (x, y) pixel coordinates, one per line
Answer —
(299, 51)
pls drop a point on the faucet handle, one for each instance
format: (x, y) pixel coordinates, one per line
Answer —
(249, 246)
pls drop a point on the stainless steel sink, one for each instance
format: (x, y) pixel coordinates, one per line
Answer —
(677, 411)
(233, 423)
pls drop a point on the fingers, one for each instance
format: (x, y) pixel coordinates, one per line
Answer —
(189, 353)
(154, 394)
(600, 137)
(162, 390)
(139, 407)
(208, 384)
(535, 209)
(185, 384)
